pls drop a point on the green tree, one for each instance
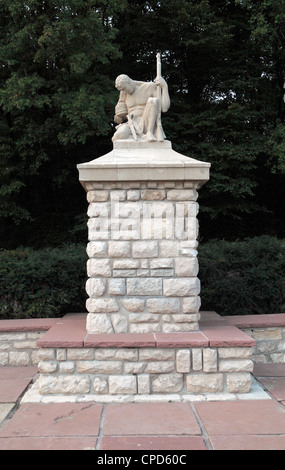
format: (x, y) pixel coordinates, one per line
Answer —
(226, 101)
(56, 96)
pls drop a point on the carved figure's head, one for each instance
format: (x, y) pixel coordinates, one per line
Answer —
(125, 83)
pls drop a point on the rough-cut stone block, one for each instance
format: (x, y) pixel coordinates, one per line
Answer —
(181, 287)
(97, 249)
(117, 286)
(144, 327)
(126, 210)
(4, 358)
(20, 358)
(267, 334)
(99, 267)
(158, 210)
(100, 385)
(187, 209)
(98, 210)
(154, 354)
(161, 305)
(185, 318)
(182, 195)
(80, 354)
(161, 272)
(180, 327)
(119, 249)
(238, 383)
(99, 323)
(99, 367)
(157, 228)
(98, 228)
(167, 383)
(127, 263)
(183, 360)
(202, 383)
(134, 367)
(191, 304)
(122, 385)
(119, 322)
(124, 272)
(153, 194)
(47, 367)
(98, 196)
(197, 363)
(210, 360)
(118, 195)
(133, 305)
(133, 195)
(145, 249)
(186, 228)
(236, 365)
(159, 367)
(143, 384)
(143, 318)
(169, 248)
(67, 367)
(187, 268)
(142, 286)
(159, 263)
(61, 354)
(95, 287)
(235, 353)
(125, 229)
(46, 354)
(102, 305)
(121, 354)
(66, 384)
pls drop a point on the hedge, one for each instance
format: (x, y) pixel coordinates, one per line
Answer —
(42, 283)
(237, 278)
(243, 278)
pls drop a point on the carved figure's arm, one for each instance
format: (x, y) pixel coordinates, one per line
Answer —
(121, 109)
(165, 99)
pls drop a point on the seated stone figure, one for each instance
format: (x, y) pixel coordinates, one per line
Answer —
(140, 104)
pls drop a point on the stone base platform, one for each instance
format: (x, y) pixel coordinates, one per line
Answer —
(216, 360)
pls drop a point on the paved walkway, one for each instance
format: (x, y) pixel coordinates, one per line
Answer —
(219, 425)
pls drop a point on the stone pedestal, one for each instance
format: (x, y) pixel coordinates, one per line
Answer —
(142, 268)
(142, 339)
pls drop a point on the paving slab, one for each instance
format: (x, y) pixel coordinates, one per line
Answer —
(5, 409)
(275, 385)
(150, 418)
(48, 443)
(10, 373)
(242, 417)
(248, 442)
(153, 443)
(14, 381)
(269, 370)
(54, 420)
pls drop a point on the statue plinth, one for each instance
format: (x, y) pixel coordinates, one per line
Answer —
(143, 228)
(137, 160)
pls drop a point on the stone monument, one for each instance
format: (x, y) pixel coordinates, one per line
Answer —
(143, 335)
(143, 224)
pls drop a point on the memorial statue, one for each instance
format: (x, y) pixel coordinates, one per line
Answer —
(138, 111)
